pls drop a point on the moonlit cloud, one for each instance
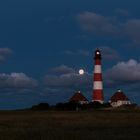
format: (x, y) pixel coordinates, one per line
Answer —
(124, 73)
(125, 76)
(17, 81)
(68, 80)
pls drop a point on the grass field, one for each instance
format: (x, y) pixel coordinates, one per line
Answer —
(59, 125)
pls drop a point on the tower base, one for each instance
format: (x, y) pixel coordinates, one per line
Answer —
(100, 101)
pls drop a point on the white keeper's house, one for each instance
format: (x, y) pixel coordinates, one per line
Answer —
(78, 97)
(119, 99)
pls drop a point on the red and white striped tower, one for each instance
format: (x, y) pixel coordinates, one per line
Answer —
(98, 83)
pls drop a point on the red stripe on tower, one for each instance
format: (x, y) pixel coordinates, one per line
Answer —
(97, 79)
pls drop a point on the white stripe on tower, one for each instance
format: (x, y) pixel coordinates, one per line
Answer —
(98, 85)
(97, 69)
(97, 82)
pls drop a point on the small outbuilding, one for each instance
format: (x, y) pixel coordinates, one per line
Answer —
(119, 99)
(78, 97)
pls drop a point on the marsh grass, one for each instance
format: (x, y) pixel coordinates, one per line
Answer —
(63, 125)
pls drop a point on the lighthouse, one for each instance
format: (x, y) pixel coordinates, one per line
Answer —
(97, 79)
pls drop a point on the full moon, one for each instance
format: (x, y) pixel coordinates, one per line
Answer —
(81, 72)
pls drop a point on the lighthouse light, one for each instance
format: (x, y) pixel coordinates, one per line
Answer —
(97, 53)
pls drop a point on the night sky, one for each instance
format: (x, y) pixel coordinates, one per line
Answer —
(43, 44)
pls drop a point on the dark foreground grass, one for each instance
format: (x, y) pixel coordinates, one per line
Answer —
(57, 125)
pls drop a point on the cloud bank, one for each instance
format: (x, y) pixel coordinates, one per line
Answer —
(17, 82)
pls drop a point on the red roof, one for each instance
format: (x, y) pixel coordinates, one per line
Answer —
(119, 95)
(78, 96)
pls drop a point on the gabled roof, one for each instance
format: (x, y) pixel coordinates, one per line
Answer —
(78, 96)
(119, 96)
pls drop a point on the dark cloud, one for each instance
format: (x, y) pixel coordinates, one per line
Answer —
(77, 52)
(54, 19)
(95, 23)
(4, 53)
(109, 53)
(103, 25)
(62, 70)
(132, 30)
(55, 91)
(17, 81)
(121, 12)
